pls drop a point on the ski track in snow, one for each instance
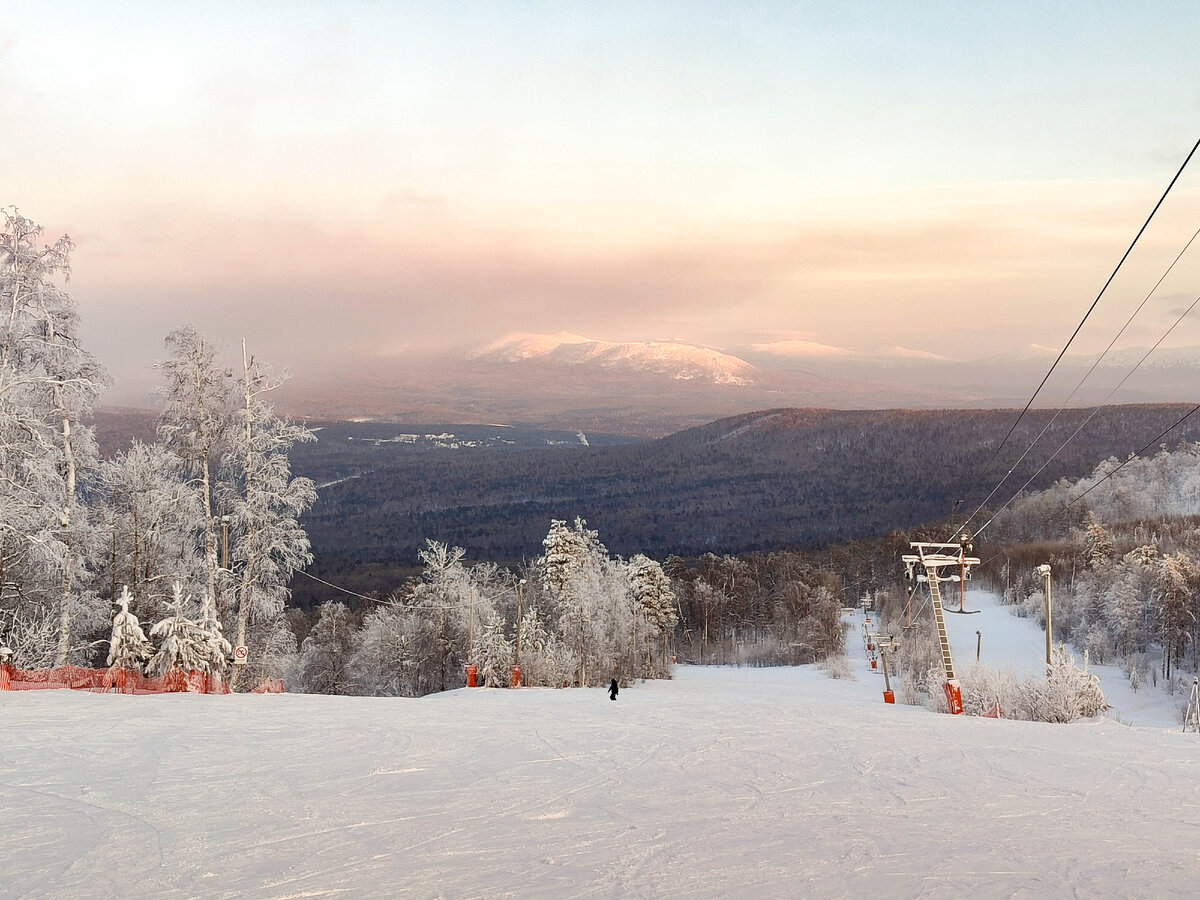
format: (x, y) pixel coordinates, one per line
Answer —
(721, 782)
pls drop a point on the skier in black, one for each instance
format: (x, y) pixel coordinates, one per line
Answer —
(612, 690)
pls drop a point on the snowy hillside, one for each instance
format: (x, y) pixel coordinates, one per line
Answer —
(681, 362)
(722, 782)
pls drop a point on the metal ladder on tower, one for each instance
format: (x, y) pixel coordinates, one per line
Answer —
(935, 594)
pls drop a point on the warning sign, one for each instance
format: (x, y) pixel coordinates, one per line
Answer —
(240, 655)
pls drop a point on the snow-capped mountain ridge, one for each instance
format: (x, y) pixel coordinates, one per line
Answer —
(676, 360)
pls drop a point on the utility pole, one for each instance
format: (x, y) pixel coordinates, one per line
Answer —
(520, 612)
(886, 647)
(1044, 571)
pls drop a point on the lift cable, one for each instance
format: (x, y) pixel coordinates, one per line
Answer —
(1085, 377)
(1086, 315)
(1091, 416)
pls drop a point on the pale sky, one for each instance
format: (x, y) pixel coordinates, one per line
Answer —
(338, 179)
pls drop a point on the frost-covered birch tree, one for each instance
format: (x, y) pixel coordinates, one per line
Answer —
(149, 514)
(48, 383)
(193, 424)
(264, 500)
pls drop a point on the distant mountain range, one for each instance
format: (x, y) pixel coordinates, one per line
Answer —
(679, 362)
(652, 388)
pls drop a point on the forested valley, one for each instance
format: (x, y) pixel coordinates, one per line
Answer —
(757, 483)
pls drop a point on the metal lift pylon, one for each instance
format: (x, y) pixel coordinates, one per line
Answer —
(932, 558)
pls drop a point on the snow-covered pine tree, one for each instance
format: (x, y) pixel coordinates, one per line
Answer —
(128, 647)
(656, 602)
(572, 577)
(182, 645)
(1125, 613)
(216, 649)
(494, 652)
(1098, 544)
(565, 550)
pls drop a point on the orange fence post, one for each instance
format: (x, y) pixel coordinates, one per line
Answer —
(472, 675)
(953, 697)
(515, 679)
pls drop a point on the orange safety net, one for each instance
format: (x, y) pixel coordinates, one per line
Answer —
(121, 681)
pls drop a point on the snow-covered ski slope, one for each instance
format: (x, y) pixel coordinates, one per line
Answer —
(719, 783)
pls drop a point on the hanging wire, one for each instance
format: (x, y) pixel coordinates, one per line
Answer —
(1086, 315)
(1085, 377)
(1092, 415)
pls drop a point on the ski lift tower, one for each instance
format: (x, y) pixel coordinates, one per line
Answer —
(927, 565)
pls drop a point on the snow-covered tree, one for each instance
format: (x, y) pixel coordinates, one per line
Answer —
(1070, 693)
(216, 649)
(541, 661)
(326, 653)
(48, 383)
(1174, 577)
(151, 516)
(264, 500)
(390, 654)
(446, 595)
(494, 652)
(572, 576)
(1125, 614)
(1098, 542)
(182, 645)
(194, 425)
(565, 550)
(656, 602)
(596, 617)
(128, 647)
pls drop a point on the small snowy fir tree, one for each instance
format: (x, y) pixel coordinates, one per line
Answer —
(1098, 544)
(181, 643)
(128, 648)
(494, 652)
(216, 649)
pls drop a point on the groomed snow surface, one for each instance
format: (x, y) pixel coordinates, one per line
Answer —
(719, 783)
